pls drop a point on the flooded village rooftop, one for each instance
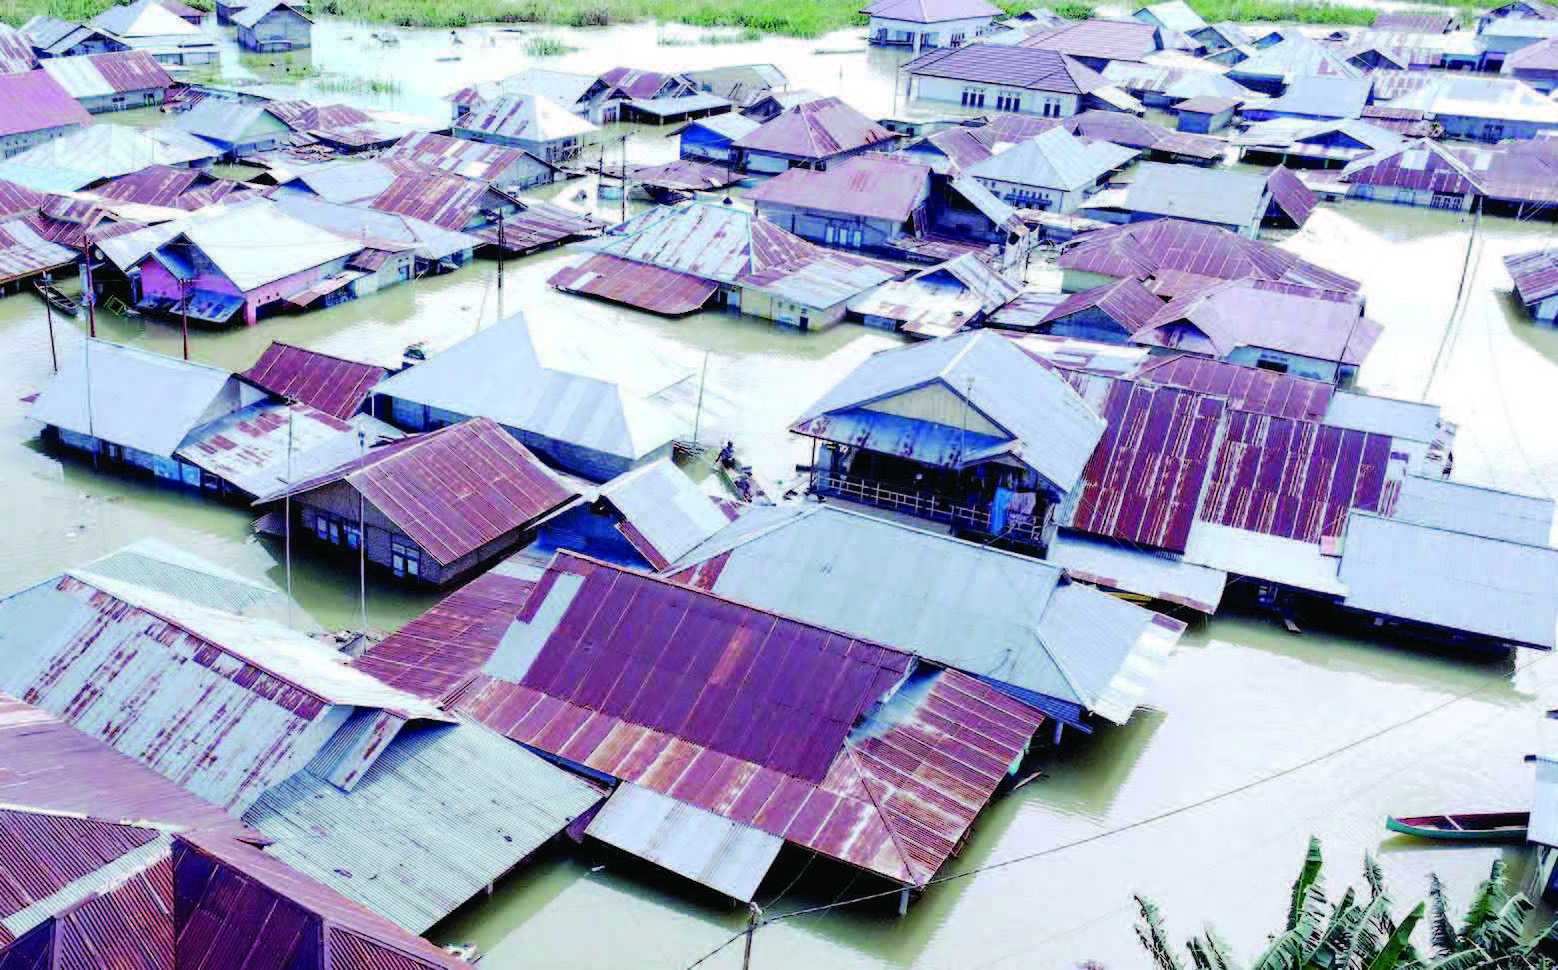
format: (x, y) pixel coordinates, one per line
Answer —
(650, 495)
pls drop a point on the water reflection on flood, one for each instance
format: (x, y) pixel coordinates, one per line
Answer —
(1242, 700)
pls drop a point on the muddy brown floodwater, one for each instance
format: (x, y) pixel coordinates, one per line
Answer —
(1254, 739)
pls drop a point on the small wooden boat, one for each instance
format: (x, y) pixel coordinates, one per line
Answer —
(1474, 827)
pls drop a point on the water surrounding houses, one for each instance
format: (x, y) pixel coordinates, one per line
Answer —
(1241, 699)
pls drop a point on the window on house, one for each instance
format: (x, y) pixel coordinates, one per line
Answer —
(973, 97)
(957, 40)
(405, 557)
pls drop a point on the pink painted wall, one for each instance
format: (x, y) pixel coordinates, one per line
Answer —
(157, 281)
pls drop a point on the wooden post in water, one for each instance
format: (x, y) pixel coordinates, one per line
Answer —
(753, 915)
(48, 312)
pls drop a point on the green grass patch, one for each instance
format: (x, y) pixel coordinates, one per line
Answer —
(547, 47)
(340, 84)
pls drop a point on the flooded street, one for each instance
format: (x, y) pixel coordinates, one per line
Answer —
(1255, 737)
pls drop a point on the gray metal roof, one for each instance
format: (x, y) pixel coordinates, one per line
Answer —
(1151, 573)
(1323, 97)
(1457, 580)
(1056, 159)
(161, 566)
(499, 373)
(1544, 803)
(228, 122)
(445, 810)
(1218, 196)
(726, 856)
(258, 243)
(431, 242)
(666, 508)
(1409, 420)
(1291, 562)
(1444, 504)
(139, 399)
(990, 613)
(1051, 429)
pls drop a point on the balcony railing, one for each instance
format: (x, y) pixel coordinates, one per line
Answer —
(1019, 528)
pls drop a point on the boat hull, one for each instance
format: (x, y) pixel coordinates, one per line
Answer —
(1493, 827)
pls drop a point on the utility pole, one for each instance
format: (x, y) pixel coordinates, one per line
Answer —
(87, 294)
(362, 544)
(184, 313)
(624, 179)
(754, 914)
(500, 249)
(48, 312)
(697, 416)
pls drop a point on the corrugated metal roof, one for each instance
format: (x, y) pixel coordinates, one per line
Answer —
(1422, 164)
(1230, 314)
(221, 704)
(16, 53)
(439, 651)
(1456, 580)
(1018, 67)
(529, 117)
(265, 447)
(126, 923)
(1535, 274)
(34, 101)
(1407, 420)
(1291, 195)
(1055, 159)
(1442, 504)
(250, 16)
(726, 856)
(1150, 248)
(1240, 552)
(453, 490)
(1144, 480)
(1541, 56)
(641, 285)
(231, 892)
(443, 812)
(102, 75)
(1048, 427)
(561, 86)
(870, 186)
(629, 82)
(896, 787)
(23, 252)
(257, 243)
(97, 152)
(815, 130)
(1098, 37)
(940, 300)
(334, 385)
(54, 861)
(1491, 98)
(229, 124)
(1160, 575)
(1173, 14)
(142, 18)
(1293, 57)
(664, 514)
(1133, 132)
(1328, 96)
(1125, 301)
(1217, 196)
(1245, 388)
(505, 374)
(116, 382)
(999, 616)
(931, 11)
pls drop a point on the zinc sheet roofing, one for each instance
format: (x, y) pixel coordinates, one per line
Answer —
(23, 252)
(79, 158)
(640, 285)
(263, 448)
(713, 851)
(1049, 427)
(506, 374)
(664, 513)
(817, 129)
(765, 720)
(1492, 98)
(1160, 575)
(1125, 301)
(1150, 248)
(53, 862)
(1421, 165)
(1535, 274)
(34, 101)
(437, 652)
(1240, 552)
(105, 391)
(1055, 159)
(16, 53)
(1255, 313)
(1442, 504)
(1325, 96)
(1019, 67)
(1098, 37)
(100, 75)
(1244, 388)
(453, 490)
(258, 243)
(334, 385)
(1451, 579)
(443, 812)
(869, 186)
(1295, 56)
(455, 156)
(1144, 481)
(931, 11)
(530, 117)
(993, 614)
(1217, 196)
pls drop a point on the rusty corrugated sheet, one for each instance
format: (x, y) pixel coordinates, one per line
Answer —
(815, 130)
(326, 383)
(440, 650)
(635, 284)
(476, 160)
(454, 490)
(1535, 274)
(17, 199)
(1245, 388)
(539, 225)
(34, 101)
(447, 201)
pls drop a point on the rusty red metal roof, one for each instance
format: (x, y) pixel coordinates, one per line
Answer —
(336, 386)
(1421, 165)
(447, 201)
(453, 490)
(641, 285)
(1143, 481)
(765, 720)
(871, 186)
(1293, 197)
(538, 226)
(17, 199)
(1535, 274)
(34, 101)
(438, 652)
(1125, 301)
(472, 159)
(1020, 67)
(815, 130)
(16, 53)
(1244, 388)
(45, 853)
(129, 926)
(1116, 40)
(636, 84)
(1295, 479)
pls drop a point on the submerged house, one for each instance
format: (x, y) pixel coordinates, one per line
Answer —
(1315, 98)
(809, 135)
(1005, 618)
(556, 397)
(35, 108)
(565, 88)
(713, 139)
(273, 26)
(148, 25)
(430, 508)
(645, 518)
(504, 167)
(1100, 41)
(368, 790)
(922, 24)
(53, 37)
(626, 93)
(333, 385)
(111, 82)
(871, 764)
(673, 260)
(1236, 201)
(86, 157)
(865, 202)
(940, 300)
(251, 260)
(1109, 313)
(1019, 80)
(234, 128)
(1535, 275)
(1536, 65)
(1312, 144)
(969, 432)
(1270, 70)
(1488, 109)
(530, 123)
(1055, 171)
